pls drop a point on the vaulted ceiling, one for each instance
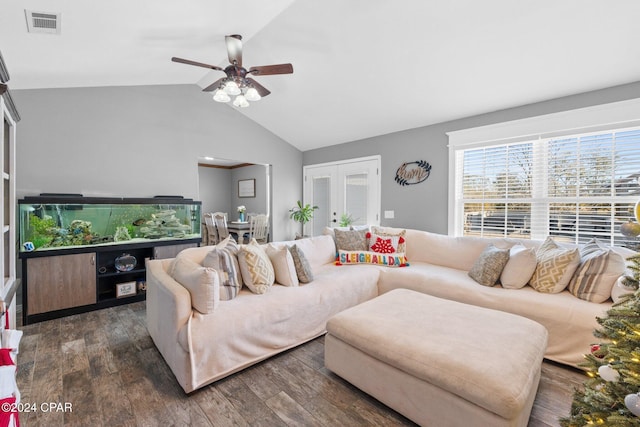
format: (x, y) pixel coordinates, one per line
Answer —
(361, 67)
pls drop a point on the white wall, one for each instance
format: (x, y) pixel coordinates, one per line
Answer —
(424, 206)
(142, 141)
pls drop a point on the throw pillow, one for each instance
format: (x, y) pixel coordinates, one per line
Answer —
(487, 268)
(555, 267)
(351, 240)
(597, 273)
(303, 268)
(368, 257)
(392, 232)
(383, 244)
(223, 258)
(201, 282)
(520, 267)
(255, 265)
(283, 266)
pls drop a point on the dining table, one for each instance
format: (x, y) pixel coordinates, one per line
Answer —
(239, 228)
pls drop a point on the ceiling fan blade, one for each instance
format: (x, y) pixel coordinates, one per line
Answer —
(213, 86)
(265, 70)
(234, 49)
(197, 64)
(262, 91)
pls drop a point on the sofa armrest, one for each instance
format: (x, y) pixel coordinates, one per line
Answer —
(168, 311)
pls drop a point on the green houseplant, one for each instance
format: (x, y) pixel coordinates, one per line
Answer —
(346, 220)
(302, 214)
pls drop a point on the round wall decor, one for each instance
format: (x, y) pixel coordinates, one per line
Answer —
(410, 173)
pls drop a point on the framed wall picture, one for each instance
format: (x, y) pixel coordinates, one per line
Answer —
(246, 188)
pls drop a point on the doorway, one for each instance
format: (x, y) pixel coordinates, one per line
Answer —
(344, 189)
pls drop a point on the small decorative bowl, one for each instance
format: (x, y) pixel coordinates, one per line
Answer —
(125, 262)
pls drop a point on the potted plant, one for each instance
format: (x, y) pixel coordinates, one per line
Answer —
(302, 214)
(241, 210)
(346, 220)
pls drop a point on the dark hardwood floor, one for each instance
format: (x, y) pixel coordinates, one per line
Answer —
(105, 366)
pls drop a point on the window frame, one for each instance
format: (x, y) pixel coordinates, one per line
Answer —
(539, 130)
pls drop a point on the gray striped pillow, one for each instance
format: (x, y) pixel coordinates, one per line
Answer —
(598, 271)
(223, 258)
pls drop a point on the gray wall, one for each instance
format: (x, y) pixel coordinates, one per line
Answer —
(214, 186)
(424, 206)
(142, 141)
(256, 204)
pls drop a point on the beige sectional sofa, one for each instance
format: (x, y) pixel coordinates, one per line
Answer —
(202, 348)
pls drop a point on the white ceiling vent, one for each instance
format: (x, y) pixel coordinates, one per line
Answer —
(43, 22)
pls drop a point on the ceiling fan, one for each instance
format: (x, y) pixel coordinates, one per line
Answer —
(237, 83)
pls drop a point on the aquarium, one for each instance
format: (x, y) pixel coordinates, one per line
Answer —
(54, 222)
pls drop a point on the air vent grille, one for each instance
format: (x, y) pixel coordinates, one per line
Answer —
(43, 22)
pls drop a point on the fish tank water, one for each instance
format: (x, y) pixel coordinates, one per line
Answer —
(55, 222)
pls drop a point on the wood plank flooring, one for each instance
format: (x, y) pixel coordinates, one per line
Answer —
(106, 366)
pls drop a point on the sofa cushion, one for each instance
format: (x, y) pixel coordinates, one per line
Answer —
(489, 265)
(520, 267)
(319, 250)
(201, 282)
(386, 232)
(368, 257)
(255, 265)
(303, 268)
(555, 267)
(438, 249)
(223, 258)
(351, 240)
(597, 273)
(283, 265)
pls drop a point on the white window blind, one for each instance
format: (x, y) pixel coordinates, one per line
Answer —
(573, 188)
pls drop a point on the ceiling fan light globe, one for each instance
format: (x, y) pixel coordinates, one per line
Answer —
(221, 96)
(232, 88)
(241, 101)
(252, 95)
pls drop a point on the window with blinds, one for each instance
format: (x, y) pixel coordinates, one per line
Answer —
(573, 188)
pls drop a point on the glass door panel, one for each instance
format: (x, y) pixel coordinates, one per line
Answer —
(343, 189)
(321, 199)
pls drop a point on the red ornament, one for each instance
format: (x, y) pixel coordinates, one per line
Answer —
(594, 349)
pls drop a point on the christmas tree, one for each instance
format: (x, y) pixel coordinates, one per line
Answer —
(611, 395)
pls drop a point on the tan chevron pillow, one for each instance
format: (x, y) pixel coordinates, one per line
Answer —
(255, 265)
(555, 267)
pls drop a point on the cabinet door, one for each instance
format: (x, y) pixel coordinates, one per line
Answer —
(170, 251)
(58, 282)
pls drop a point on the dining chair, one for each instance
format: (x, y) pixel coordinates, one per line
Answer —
(212, 234)
(259, 228)
(220, 221)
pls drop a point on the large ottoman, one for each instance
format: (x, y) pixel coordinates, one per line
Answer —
(439, 362)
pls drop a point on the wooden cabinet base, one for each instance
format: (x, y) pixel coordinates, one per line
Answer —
(61, 283)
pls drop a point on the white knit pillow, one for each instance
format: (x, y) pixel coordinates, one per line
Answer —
(201, 282)
(283, 266)
(520, 267)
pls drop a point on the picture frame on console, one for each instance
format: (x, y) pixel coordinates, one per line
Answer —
(125, 289)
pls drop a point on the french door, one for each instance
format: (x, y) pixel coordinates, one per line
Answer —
(349, 188)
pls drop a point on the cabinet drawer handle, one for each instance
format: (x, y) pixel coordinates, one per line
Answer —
(93, 260)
